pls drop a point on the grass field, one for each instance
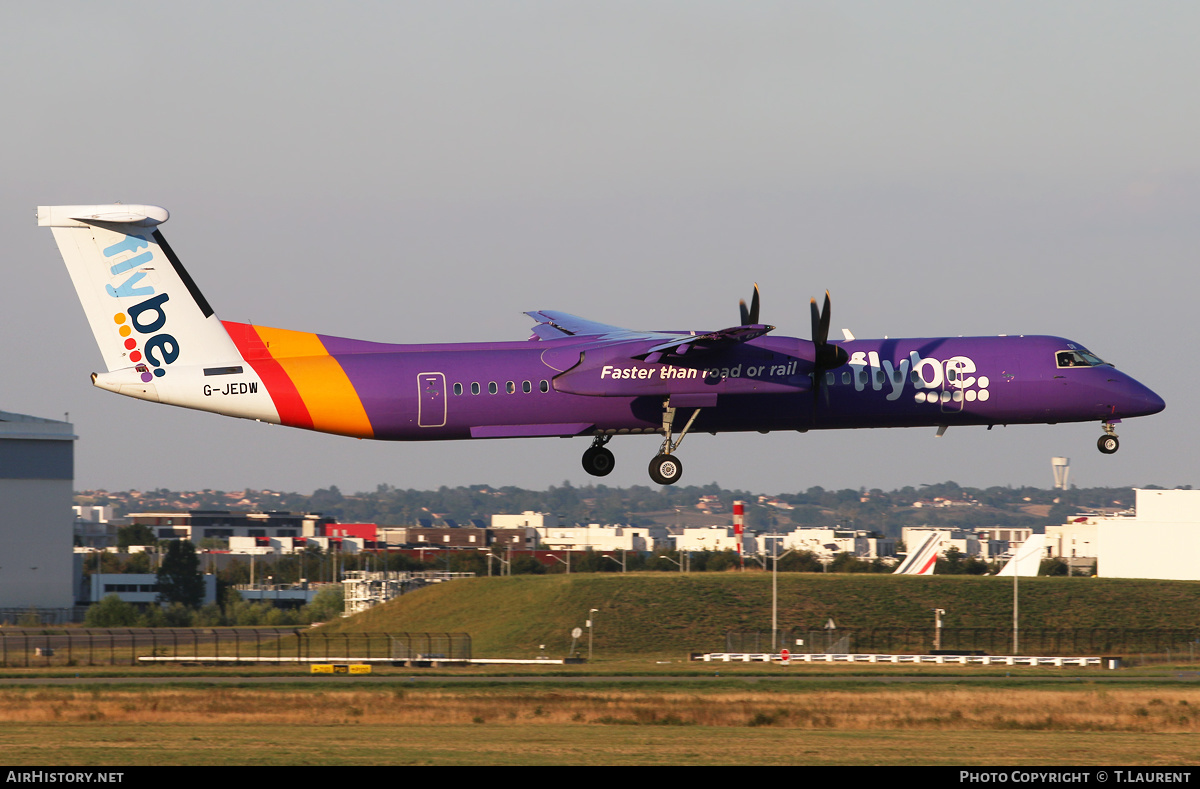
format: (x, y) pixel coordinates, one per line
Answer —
(613, 723)
(681, 713)
(672, 613)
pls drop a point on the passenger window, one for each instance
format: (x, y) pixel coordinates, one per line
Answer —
(492, 389)
(526, 387)
(510, 387)
(545, 387)
(457, 389)
(475, 388)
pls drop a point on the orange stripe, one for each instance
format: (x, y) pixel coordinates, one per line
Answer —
(287, 400)
(330, 398)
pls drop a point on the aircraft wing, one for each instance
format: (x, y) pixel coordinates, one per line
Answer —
(553, 325)
(556, 325)
(708, 341)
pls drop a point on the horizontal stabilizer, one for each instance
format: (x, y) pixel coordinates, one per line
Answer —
(84, 215)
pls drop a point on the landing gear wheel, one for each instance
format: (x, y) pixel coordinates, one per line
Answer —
(666, 469)
(1108, 444)
(598, 462)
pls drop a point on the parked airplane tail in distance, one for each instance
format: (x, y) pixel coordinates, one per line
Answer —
(922, 559)
(1027, 559)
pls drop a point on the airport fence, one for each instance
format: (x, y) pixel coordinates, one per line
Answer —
(1182, 643)
(34, 616)
(31, 648)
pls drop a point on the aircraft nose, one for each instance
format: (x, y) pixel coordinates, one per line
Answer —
(1141, 401)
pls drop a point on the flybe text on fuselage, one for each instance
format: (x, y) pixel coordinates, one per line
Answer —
(865, 370)
(957, 372)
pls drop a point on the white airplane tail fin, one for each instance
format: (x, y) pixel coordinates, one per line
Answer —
(1027, 559)
(144, 309)
(922, 559)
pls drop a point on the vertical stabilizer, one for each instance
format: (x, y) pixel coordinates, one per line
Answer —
(145, 311)
(1028, 557)
(922, 560)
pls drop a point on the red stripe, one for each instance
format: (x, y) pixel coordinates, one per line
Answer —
(288, 403)
(928, 564)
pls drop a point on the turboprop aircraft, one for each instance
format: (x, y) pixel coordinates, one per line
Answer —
(161, 341)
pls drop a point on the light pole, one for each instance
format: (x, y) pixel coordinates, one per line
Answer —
(775, 556)
(589, 627)
(620, 561)
(1016, 628)
(672, 561)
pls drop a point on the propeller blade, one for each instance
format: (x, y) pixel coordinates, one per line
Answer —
(816, 321)
(828, 356)
(749, 316)
(821, 327)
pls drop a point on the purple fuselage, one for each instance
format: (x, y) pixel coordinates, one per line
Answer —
(592, 385)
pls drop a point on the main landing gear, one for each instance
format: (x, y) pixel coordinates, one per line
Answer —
(665, 468)
(599, 461)
(1108, 442)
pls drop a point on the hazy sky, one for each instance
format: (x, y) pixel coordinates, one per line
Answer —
(415, 171)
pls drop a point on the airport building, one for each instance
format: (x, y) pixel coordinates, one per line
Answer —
(526, 520)
(1161, 539)
(196, 525)
(604, 538)
(713, 538)
(94, 526)
(37, 471)
(830, 542)
(141, 589)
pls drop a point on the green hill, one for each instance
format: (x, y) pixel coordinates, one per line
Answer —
(660, 613)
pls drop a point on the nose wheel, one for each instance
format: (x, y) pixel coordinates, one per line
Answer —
(665, 468)
(1108, 442)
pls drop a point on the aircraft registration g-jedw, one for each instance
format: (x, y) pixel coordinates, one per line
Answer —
(162, 342)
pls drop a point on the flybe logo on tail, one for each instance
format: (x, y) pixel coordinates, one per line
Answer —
(145, 320)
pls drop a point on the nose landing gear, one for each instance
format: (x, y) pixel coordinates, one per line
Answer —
(1108, 442)
(665, 468)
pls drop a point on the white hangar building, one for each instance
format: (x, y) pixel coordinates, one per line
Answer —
(1161, 540)
(37, 474)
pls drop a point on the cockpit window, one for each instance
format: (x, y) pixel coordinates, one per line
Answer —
(1078, 359)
